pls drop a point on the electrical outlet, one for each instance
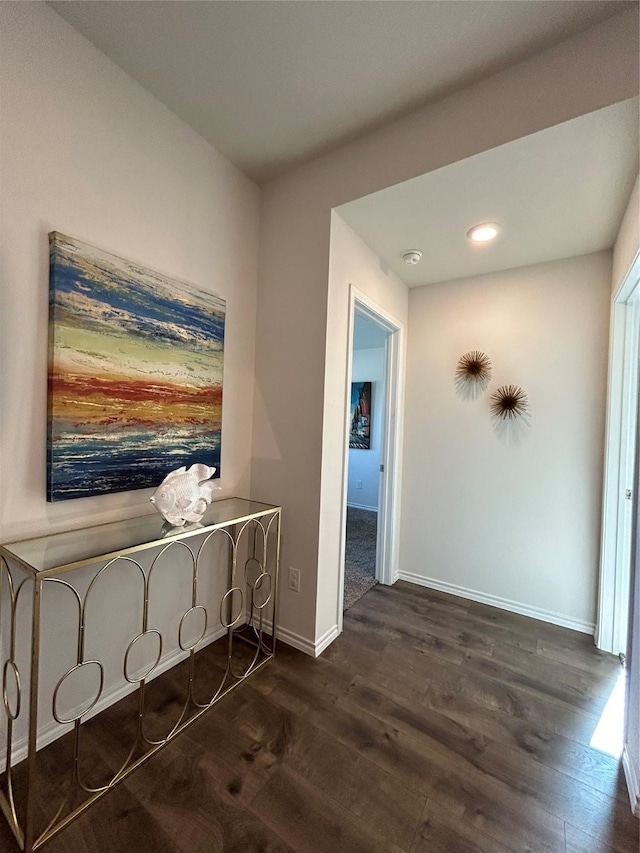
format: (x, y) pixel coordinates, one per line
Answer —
(294, 579)
(358, 484)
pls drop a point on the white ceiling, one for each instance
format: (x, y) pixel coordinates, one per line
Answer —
(557, 193)
(271, 84)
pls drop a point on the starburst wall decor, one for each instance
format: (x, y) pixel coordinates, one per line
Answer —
(509, 402)
(473, 373)
(474, 366)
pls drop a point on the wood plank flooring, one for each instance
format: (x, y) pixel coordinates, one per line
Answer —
(432, 725)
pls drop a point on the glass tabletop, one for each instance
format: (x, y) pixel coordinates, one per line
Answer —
(75, 548)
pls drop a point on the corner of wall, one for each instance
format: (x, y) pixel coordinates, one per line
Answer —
(627, 243)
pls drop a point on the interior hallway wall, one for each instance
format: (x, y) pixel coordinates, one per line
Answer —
(302, 330)
(510, 519)
(88, 152)
(627, 242)
(351, 263)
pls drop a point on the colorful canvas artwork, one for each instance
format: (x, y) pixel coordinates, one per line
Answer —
(135, 373)
(360, 432)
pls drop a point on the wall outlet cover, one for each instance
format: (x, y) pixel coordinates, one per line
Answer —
(294, 579)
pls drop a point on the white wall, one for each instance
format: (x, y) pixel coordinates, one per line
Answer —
(364, 465)
(351, 262)
(627, 242)
(302, 327)
(88, 152)
(481, 512)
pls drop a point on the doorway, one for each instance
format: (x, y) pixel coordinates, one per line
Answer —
(371, 467)
(619, 599)
(620, 456)
(366, 402)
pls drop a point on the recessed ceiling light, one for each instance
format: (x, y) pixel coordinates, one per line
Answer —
(412, 257)
(483, 233)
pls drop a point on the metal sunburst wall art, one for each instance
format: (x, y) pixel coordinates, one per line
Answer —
(509, 402)
(473, 373)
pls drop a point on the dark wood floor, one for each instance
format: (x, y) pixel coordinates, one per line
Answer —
(432, 725)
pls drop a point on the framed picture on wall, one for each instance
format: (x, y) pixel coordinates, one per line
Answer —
(360, 430)
(135, 373)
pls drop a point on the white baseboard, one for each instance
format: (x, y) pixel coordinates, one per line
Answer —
(362, 506)
(502, 603)
(53, 730)
(326, 639)
(309, 647)
(633, 784)
(297, 641)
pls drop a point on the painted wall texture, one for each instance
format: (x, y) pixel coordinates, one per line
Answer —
(351, 263)
(297, 450)
(515, 515)
(88, 152)
(627, 242)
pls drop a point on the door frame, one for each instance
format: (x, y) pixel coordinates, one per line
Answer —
(620, 447)
(387, 540)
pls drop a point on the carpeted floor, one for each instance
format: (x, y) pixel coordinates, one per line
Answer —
(360, 556)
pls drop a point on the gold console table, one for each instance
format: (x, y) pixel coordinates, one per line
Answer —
(132, 619)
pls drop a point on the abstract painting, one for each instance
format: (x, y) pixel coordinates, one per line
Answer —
(360, 429)
(135, 373)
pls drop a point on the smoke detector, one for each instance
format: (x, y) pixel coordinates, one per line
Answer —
(412, 257)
